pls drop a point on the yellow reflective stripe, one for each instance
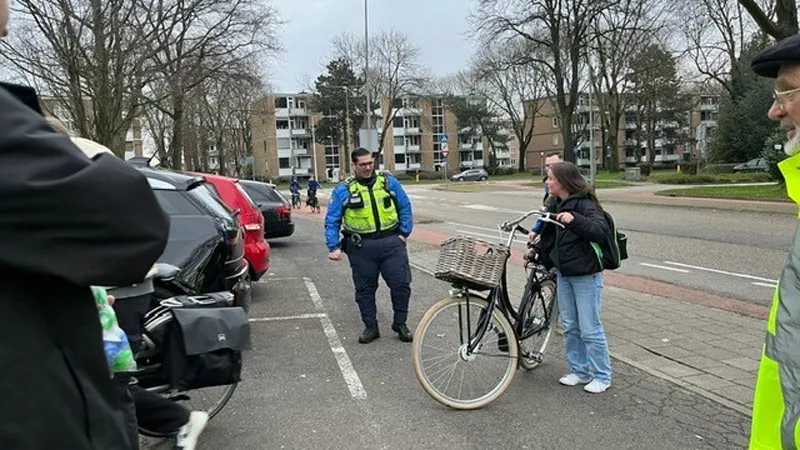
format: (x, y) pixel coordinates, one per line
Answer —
(768, 407)
(773, 310)
(790, 168)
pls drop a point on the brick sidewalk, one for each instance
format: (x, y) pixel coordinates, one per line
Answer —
(709, 351)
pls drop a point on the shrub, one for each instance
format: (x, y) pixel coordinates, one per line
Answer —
(645, 169)
(502, 170)
(719, 168)
(705, 178)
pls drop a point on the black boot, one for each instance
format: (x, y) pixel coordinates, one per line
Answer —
(403, 332)
(369, 334)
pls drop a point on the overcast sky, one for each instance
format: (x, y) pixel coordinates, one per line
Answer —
(438, 27)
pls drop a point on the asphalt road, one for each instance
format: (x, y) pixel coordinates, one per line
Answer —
(308, 384)
(730, 253)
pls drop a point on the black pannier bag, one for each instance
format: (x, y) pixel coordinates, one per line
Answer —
(203, 346)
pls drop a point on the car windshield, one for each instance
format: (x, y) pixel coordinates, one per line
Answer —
(264, 193)
(203, 194)
(175, 203)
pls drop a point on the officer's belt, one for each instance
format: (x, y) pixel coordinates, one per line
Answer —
(376, 235)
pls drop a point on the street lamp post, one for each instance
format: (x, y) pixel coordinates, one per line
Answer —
(366, 76)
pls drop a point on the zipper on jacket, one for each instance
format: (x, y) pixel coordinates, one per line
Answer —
(374, 210)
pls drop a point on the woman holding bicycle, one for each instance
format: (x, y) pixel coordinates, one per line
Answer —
(574, 252)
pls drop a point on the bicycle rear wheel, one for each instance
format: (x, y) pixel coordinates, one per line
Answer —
(537, 321)
(446, 369)
(210, 399)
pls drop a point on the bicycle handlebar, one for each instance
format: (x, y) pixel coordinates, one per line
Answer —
(545, 216)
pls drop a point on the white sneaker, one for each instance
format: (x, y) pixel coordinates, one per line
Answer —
(571, 379)
(597, 387)
(188, 434)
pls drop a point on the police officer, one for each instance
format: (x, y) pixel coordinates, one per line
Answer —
(776, 406)
(374, 215)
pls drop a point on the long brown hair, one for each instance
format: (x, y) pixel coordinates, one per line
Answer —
(572, 181)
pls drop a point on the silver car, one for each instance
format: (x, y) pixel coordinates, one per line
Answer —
(471, 175)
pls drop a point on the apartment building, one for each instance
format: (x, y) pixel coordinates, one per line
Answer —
(675, 141)
(423, 136)
(133, 138)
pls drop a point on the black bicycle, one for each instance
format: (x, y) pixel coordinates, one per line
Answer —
(467, 347)
(296, 200)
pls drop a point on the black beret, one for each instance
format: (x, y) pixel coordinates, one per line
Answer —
(768, 62)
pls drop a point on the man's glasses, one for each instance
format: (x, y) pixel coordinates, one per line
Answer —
(782, 97)
(364, 165)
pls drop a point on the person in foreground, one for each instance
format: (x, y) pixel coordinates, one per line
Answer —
(776, 406)
(374, 214)
(572, 250)
(59, 235)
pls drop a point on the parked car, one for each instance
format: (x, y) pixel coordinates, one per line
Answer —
(754, 165)
(256, 248)
(206, 241)
(274, 207)
(471, 175)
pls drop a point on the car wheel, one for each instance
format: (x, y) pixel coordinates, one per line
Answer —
(460, 178)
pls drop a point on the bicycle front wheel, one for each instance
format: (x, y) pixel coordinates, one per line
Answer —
(210, 400)
(446, 368)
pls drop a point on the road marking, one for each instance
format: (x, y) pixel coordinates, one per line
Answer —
(722, 272)
(757, 283)
(493, 209)
(345, 365)
(416, 197)
(656, 266)
(301, 316)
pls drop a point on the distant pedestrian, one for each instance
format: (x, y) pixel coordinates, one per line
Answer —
(550, 159)
(572, 251)
(373, 213)
(776, 406)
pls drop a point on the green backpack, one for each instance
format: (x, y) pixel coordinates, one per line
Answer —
(614, 250)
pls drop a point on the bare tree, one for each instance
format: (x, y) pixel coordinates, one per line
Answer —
(783, 11)
(715, 31)
(395, 70)
(556, 33)
(87, 54)
(619, 34)
(195, 40)
(512, 87)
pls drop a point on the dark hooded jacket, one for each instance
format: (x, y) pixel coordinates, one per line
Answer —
(571, 249)
(59, 234)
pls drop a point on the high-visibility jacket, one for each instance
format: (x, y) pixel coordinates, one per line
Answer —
(776, 406)
(370, 209)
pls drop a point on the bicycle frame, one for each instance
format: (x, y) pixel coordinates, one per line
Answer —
(498, 296)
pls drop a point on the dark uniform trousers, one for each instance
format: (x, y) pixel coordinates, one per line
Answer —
(387, 256)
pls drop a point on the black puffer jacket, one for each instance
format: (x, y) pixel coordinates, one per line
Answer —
(570, 249)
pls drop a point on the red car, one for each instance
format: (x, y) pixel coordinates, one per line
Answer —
(256, 248)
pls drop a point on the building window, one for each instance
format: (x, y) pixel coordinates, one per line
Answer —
(283, 163)
(284, 143)
(554, 122)
(398, 141)
(398, 122)
(555, 140)
(280, 102)
(129, 147)
(412, 140)
(399, 158)
(282, 124)
(301, 104)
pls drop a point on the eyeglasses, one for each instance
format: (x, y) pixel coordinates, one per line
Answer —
(781, 97)
(365, 164)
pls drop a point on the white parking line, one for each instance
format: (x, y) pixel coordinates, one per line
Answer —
(493, 209)
(656, 266)
(345, 366)
(301, 316)
(722, 272)
(757, 283)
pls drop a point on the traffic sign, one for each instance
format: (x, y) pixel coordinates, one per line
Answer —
(445, 151)
(443, 140)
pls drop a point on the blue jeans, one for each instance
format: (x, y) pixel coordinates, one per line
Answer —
(585, 341)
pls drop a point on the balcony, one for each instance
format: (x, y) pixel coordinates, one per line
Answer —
(283, 133)
(667, 158)
(471, 163)
(406, 112)
(301, 132)
(709, 123)
(300, 151)
(398, 131)
(412, 148)
(412, 130)
(632, 159)
(293, 171)
(414, 166)
(297, 112)
(284, 153)
(707, 107)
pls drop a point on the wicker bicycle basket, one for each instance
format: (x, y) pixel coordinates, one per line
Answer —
(466, 259)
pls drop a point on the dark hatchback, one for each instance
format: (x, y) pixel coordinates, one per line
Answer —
(205, 238)
(276, 209)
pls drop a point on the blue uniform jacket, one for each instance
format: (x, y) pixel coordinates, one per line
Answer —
(340, 194)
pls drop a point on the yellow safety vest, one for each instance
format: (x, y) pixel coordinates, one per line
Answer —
(776, 406)
(369, 209)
